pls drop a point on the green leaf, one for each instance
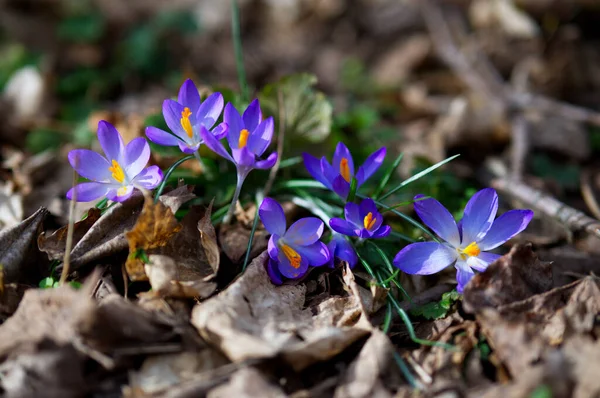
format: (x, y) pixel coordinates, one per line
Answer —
(307, 111)
(42, 139)
(48, 283)
(437, 310)
(82, 28)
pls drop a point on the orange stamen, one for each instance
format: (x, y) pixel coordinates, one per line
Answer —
(344, 169)
(185, 122)
(369, 221)
(243, 140)
(470, 251)
(292, 255)
(117, 171)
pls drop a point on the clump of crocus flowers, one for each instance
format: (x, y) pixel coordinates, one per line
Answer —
(292, 251)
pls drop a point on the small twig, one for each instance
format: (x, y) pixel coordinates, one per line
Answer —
(280, 138)
(588, 194)
(70, 227)
(545, 204)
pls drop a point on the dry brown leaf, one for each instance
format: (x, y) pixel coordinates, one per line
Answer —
(54, 245)
(252, 318)
(155, 226)
(247, 383)
(170, 280)
(19, 256)
(234, 241)
(208, 238)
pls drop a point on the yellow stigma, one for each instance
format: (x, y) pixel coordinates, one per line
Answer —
(117, 171)
(185, 122)
(243, 140)
(369, 221)
(122, 191)
(344, 169)
(292, 255)
(469, 251)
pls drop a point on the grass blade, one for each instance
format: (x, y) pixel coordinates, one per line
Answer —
(171, 169)
(387, 176)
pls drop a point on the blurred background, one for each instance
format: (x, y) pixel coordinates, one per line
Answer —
(483, 78)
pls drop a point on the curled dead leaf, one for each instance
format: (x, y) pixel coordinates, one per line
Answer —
(208, 238)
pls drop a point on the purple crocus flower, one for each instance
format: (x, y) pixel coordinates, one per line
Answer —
(248, 137)
(291, 250)
(116, 175)
(361, 220)
(186, 116)
(337, 177)
(465, 245)
(339, 247)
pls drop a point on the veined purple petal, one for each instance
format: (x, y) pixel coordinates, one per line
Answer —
(90, 165)
(328, 171)
(117, 194)
(210, 110)
(172, 113)
(305, 231)
(352, 214)
(342, 226)
(505, 227)
(288, 270)
(424, 258)
(342, 152)
(479, 215)
(382, 232)
(252, 115)
(272, 248)
(316, 254)
(313, 166)
(111, 141)
(214, 144)
(137, 154)
(370, 166)
(188, 148)
(341, 187)
(267, 163)
(368, 206)
(243, 157)
(260, 138)
(88, 191)
(161, 137)
(232, 117)
(149, 177)
(220, 131)
(189, 96)
(272, 216)
(273, 272)
(463, 275)
(438, 218)
(343, 250)
(477, 263)
(488, 258)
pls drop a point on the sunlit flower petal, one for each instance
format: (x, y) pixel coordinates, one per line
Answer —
(424, 258)
(505, 227)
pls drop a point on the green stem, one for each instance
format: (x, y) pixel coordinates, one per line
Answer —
(237, 48)
(171, 169)
(236, 196)
(203, 168)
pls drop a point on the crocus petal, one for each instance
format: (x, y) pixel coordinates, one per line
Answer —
(161, 137)
(316, 254)
(505, 227)
(344, 251)
(272, 246)
(220, 131)
(382, 232)
(273, 272)
(172, 113)
(267, 163)
(352, 214)
(424, 258)
(116, 194)
(90, 165)
(305, 231)
(188, 148)
(479, 215)
(478, 263)
(368, 206)
(341, 187)
(137, 154)
(214, 144)
(243, 157)
(331, 246)
(272, 216)
(111, 141)
(189, 96)
(259, 139)
(288, 270)
(438, 218)
(313, 166)
(232, 117)
(488, 257)
(342, 152)
(149, 177)
(88, 191)
(463, 275)
(370, 166)
(252, 115)
(210, 110)
(342, 226)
